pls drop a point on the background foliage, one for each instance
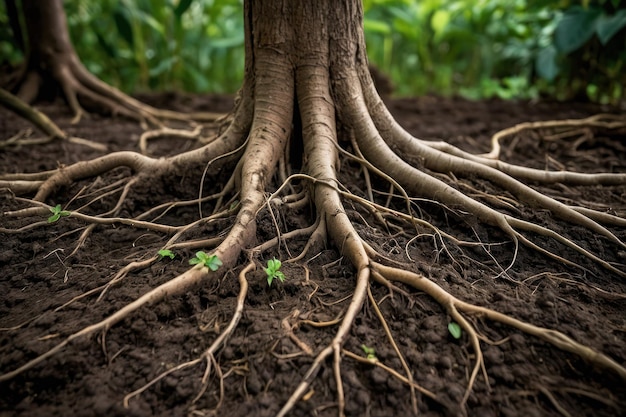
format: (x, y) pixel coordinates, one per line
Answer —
(504, 48)
(476, 48)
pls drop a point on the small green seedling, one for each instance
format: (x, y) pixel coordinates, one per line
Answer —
(166, 253)
(57, 213)
(454, 329)
(370, 353)
(272, 271)
(210, 261)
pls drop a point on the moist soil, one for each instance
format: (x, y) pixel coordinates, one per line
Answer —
(264, 360)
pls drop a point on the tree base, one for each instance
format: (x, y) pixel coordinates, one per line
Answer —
(67, 76)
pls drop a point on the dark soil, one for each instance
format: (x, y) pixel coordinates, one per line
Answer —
(261, 365)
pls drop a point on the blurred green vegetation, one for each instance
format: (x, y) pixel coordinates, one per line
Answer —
(504, 48)
(476, 48)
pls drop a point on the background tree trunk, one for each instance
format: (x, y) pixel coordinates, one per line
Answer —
(48, 47)
(52, 66)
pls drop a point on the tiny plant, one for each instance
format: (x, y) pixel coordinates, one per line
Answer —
(454, 329)
(272, 271)
(370, 353)
(166, 253)
(57, 213)
(210, 261)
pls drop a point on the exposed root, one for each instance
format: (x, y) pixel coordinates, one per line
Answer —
(76, 82)
(395, 374)
(448, 301)
(42, 122)
(325, 193)
(604, 122)
(554, 401)
(420, 183)
(166, 132)
(383, 322)
(209, 354)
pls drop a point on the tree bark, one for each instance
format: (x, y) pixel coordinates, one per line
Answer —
(49, 50)
(285, 36)
(46, 28)
(52, 66)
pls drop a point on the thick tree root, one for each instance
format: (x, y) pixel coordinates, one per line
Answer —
(606, 122)
(327, 198)
(75, 81)
(42, 122)
(209, 354)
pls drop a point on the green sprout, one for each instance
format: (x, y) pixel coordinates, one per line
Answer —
(210, 261)
(370, 353)
(454, 329)
(166, 252)
(57, 213)
(272, 271)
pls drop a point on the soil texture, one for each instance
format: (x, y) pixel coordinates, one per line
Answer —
(263, 362)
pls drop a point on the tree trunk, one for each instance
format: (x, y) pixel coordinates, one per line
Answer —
(288, 41)
(49, 50)
(46, 27)
(52, 66)
(304, 62)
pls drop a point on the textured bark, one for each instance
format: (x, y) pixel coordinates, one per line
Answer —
(304, 50)
(52, 66)
(49, 50)
(46, 28)
(285, 37)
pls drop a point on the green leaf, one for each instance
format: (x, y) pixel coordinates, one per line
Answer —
(200, 258)
(110, 50)
(272, 271)
(199, 79)
(149, 20)
(274, 264)
(454, 329)
(575, 28)
(370, 353)
(123, 26)
(226, 43)
(182, 7)
(165, 65)
(57, 213)
(608, 26)
(546, 64)
(376, 26)
(439, 22)
(213, 263)
(166, 252)
(233, 205)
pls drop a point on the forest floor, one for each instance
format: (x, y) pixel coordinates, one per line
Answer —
(261, 365)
